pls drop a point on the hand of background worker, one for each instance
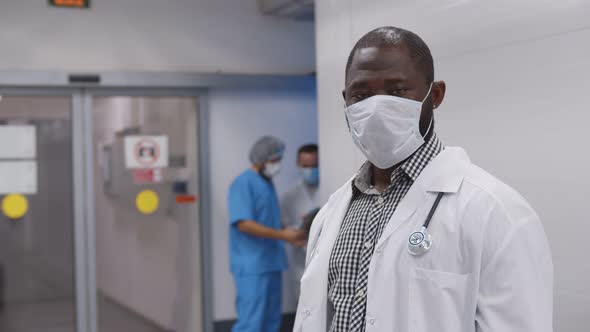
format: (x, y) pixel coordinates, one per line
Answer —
(300, 243)
(295, 237)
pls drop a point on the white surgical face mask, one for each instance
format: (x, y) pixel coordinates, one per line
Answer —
(272, 169)
(386, 128)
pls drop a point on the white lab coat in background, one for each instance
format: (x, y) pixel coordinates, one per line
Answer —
(295, 204)
(489, 268)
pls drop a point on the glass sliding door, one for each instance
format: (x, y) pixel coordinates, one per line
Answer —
(37, 228)
(146, 219)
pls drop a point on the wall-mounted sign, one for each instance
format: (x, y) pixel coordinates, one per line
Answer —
(18, 177)
(186, 199)
(70, 3)
(18, 142)
(146, 152)
(146, 176)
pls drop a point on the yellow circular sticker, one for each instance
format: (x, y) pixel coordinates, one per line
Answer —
(147, 201)
(15, 206)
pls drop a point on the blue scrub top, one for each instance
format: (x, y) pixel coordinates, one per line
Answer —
(251, 197)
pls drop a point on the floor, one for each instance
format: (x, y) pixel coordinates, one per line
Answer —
(58, 316)
(112, 317)
(34, 299)
(226, 326)
(31, 301)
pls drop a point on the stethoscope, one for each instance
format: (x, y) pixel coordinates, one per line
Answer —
(420, 242)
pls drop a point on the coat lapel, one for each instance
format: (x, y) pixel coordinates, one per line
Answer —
(314, 291)
(443, 174)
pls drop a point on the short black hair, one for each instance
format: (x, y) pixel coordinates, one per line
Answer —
(394, 37)
(307, 148)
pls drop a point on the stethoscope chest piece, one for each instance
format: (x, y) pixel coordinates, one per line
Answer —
(419, 242)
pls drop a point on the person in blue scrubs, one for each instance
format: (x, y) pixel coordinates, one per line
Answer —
(257, 253)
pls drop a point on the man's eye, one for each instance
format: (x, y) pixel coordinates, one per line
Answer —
(359, 96)
(398, 92)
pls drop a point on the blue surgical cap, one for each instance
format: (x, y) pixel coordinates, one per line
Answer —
(265, 149)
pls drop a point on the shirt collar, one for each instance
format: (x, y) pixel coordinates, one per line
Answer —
(412, 167)
(419, 160)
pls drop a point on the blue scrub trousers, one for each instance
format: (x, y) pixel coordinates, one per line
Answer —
(258, 302)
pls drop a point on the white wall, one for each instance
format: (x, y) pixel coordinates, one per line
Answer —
(236, 119)
(153, 35)
(517, 76)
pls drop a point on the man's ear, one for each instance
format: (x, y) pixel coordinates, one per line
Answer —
(344, 96)
(439, 90)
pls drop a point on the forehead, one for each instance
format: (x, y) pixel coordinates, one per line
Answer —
(384, 63)
(308, 155)
(308, 158)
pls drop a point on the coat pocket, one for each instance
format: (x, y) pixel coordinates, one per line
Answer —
(436, 301)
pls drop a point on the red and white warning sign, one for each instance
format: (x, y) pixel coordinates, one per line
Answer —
(147, 176)
(146, 152)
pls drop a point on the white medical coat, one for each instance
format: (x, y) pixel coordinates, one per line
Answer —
(295, 204)
(489, 268)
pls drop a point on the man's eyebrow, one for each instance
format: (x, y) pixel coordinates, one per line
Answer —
(358, 84)
(396, 80)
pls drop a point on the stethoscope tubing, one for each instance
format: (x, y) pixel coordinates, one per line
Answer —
(433, 209)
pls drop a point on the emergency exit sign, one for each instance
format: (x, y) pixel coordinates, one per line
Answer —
(70, 3)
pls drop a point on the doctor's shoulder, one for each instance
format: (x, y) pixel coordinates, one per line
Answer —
(244, 183)
(239, 181)
(499, 212)
(488, 192)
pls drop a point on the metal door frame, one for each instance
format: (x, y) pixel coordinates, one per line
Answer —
(83, 191)
(79, 203)
(204, 227)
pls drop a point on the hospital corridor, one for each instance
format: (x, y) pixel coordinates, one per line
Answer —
(294, 166)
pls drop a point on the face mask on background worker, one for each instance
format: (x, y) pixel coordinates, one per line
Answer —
(386, 128)
(271, 169)
(311, 175)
